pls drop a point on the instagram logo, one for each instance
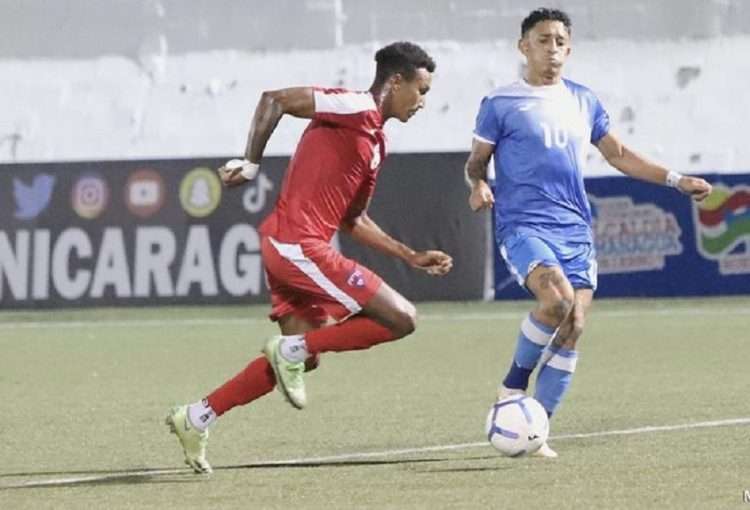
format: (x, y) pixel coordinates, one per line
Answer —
(90, 196)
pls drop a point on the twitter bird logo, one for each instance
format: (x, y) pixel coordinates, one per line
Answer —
(32, 200)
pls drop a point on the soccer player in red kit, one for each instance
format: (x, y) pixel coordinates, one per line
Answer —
(322, 301)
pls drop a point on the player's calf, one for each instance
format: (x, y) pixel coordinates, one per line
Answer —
(532, 339)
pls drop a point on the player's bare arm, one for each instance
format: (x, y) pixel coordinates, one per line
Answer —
(365, 231)
(274, 104)
(476, 175)
(634, 165)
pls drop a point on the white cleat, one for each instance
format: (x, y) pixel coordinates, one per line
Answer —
(546, 452)
(503, 392)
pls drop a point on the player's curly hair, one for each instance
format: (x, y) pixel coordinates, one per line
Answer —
(401, 57)
(544, 14)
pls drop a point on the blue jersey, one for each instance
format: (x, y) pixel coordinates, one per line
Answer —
(542, 136)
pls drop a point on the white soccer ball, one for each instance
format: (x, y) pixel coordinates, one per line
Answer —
(517, 425)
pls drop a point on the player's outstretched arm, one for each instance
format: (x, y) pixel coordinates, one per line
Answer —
(273, 104)
(475, 172)
(634, 165)
(365, 231)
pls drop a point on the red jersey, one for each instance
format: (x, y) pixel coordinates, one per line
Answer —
(331, 176)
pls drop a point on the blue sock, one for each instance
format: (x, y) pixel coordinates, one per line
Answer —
(554, 377)
(532, 339)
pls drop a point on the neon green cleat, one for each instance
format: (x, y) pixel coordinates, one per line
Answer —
(193, 442)
(288, 374)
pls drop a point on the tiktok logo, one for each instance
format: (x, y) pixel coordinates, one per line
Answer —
(256, 195)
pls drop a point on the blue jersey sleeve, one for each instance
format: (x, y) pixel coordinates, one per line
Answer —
(600, 122)
(487, 126)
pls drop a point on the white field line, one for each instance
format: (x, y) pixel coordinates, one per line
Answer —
(236, 321)
(380, 454)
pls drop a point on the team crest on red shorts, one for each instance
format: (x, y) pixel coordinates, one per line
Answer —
(356, 279)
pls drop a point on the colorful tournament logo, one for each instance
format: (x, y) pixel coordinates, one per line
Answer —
(722, 228)
(90, 196)
(32, 199)
(633, 237)
(200, 192)
(144, 193)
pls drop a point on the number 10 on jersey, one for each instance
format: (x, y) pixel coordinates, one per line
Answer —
(554, 134)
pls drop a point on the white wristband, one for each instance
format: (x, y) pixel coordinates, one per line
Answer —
(249, 170)
(673, 179)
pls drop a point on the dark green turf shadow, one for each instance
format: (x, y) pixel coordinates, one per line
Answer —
(124, 479)
(463, 470)
(154, 475)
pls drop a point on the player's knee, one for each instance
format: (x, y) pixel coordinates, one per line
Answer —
(578, 323)
(557, 308)
(405, 320)
(562, 308)
(575, 334)
(572, 330)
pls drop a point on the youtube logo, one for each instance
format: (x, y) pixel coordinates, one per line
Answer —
(144, 193)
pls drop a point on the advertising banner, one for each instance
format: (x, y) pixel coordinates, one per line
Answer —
(129, 232)
(653, 241)
(120, 233)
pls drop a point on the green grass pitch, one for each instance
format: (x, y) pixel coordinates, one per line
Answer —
(84, 394)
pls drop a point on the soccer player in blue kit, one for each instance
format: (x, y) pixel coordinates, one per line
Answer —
(539, 130)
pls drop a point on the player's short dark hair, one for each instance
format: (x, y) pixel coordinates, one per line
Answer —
(544, 14)
(401, 57)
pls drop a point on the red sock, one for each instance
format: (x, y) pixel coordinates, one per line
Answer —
(253, 382)
(350, 335)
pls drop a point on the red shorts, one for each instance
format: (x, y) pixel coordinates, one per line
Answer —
(313, 281)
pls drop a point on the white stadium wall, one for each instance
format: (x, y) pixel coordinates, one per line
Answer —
(682, 102)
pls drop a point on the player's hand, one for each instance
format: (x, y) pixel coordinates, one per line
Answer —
(231, 177)
(695, 187)
(433, 262)
(481, 196)
(233, 173)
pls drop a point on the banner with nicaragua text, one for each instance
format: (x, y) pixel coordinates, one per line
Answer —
(119, 233)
